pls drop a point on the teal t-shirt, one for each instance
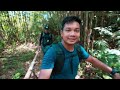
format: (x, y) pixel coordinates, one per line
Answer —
(70, 67)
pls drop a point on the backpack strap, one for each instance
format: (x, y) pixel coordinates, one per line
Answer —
(60, 57)
(42, 34)
(78, 48)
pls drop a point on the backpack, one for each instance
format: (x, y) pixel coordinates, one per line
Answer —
(47, 39)
(60, 57)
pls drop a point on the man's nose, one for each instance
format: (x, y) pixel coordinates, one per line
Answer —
(72, 33)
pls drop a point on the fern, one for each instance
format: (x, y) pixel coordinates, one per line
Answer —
(118, 42)
(115, 34)
(117, 38)
(100, 44)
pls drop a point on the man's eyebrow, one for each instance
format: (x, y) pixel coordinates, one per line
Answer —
(68, 28)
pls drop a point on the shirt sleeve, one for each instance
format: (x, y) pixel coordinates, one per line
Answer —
(84, 54)
(48, 59)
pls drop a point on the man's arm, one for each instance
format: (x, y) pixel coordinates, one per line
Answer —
(47, 64)
(97, 63)
(45, 74)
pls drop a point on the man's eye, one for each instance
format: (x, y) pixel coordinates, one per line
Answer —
(68, 30)
(77, 30)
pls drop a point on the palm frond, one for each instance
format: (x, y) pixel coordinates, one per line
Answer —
(117, 33)
(117, 38)
(118, 42)
(101, 44)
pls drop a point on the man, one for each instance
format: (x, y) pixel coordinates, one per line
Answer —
(45, 39)
(70, 34)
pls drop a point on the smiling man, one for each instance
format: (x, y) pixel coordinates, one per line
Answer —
(61, 60)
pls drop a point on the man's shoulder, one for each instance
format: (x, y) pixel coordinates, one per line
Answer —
(57, 46)
(50, 50)
(78, 46)
(54, 45)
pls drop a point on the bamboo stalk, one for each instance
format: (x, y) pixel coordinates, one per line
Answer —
(27, 76)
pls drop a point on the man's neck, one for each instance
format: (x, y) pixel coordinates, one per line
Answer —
(69, 47)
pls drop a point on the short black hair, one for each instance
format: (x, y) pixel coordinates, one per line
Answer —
(69, 19)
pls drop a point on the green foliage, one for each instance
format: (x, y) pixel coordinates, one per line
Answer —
(16, 76)
(54, 23)
(115, 34)
(107, 77)
(57, 39)
(10, 63)
(15, 63)
(106, 57)
(118, 43)
(26, 56)
(116, 39)
(2, 45)
(100, 44)
(18, 73)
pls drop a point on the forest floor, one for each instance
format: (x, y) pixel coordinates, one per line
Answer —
(14, 62)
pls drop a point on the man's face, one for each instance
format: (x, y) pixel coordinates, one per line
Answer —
(46, 31)
(71, 32)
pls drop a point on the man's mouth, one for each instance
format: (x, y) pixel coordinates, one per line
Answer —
(72, 39)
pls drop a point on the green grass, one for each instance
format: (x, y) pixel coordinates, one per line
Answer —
(15, 64)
